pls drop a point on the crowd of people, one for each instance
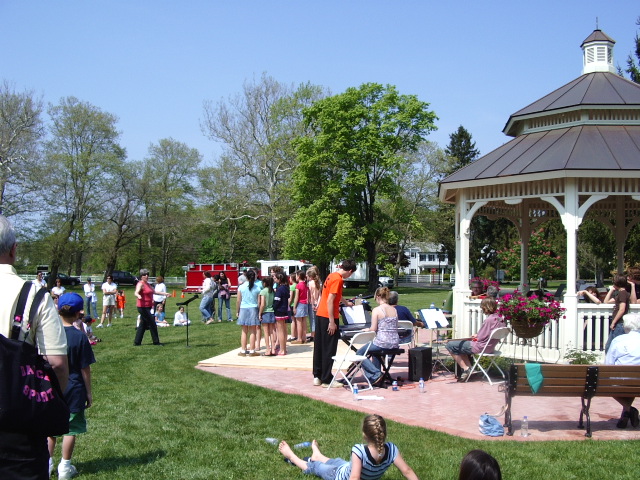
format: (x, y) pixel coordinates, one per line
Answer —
(265, 307)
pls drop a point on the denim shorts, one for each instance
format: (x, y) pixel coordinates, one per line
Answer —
(268, 317)
(301, 310)
(248, 317)
(459, 347)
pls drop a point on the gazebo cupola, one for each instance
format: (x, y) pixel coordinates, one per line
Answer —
(597, 51)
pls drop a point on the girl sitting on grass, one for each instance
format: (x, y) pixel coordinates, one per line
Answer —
(368, 460)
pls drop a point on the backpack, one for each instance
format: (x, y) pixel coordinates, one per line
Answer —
(31, 400)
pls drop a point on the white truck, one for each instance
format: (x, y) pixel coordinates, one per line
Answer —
(289, 266)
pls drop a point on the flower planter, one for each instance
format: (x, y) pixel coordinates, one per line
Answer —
(524, 329)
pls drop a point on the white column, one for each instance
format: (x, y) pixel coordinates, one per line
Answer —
(464, 213)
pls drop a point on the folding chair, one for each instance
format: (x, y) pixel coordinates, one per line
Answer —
(409, 341)
(352, 359)
(496, 334)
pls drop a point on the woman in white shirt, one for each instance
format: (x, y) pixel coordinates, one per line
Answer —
(57, 291)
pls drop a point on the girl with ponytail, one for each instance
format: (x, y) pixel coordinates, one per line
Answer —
(368, 460)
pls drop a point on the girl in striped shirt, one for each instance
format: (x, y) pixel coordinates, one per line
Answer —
(369, 460)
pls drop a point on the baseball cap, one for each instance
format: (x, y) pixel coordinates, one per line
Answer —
(72, 300)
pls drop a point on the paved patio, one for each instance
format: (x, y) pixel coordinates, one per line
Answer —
(446, 406)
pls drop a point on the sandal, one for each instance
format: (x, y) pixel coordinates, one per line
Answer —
(281, 354)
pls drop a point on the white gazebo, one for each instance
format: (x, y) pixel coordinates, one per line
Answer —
(575, 155)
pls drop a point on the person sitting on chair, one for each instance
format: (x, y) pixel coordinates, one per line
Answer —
(384, 321)
(625, 350)
(403, 312)
(461, 350)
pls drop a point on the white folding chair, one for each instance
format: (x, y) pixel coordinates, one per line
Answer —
(411, 340)
(351, 357)
(496, 334)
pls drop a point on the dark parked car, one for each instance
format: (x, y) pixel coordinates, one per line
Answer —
(121, 277)
(65, 279)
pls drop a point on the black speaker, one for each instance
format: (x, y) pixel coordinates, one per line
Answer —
(420, 363)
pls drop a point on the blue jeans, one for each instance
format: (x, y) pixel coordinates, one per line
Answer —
(371, 366)
(325, 470)
(617, 331)
(205, 307)
(90, 304)
(227, 302)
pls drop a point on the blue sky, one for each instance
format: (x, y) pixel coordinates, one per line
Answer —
(154, 63)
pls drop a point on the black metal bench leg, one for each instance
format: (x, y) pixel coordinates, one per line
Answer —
(585, 409)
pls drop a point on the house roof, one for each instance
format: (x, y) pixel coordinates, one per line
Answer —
(604, 148)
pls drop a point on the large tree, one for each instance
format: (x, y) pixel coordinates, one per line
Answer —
(20, 131)
(80, 158)
(351, 162)
(256, 128)
(410, 209)
(169, 177)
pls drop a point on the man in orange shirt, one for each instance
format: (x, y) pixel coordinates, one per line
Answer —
(325, 343)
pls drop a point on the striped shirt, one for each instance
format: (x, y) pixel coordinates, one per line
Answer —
(370, 469)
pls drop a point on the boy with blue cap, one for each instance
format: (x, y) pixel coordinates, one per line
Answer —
(78, 392)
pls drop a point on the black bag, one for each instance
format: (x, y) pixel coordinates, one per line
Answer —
(31, 400)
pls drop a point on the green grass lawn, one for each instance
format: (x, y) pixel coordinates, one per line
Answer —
(156, 417)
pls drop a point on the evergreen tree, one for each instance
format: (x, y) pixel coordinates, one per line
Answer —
(633, 69)
(461, 150)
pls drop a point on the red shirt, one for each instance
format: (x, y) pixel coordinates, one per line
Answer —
(333, 284)
(146, 292)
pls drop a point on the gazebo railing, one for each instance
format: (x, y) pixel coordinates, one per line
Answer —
(589, 333)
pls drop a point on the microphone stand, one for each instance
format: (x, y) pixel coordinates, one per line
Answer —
(186, 304)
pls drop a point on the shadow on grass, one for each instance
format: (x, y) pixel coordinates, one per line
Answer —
(114, 463)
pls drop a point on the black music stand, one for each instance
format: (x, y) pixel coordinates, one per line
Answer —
(186, 304)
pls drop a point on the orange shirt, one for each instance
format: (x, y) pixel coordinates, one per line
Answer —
(333, 284)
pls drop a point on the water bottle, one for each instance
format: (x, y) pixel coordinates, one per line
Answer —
(421, 385)
(524, 430)
(355, 392)
(271, 440)
(302, 445)
(433, 305)
(394, 386)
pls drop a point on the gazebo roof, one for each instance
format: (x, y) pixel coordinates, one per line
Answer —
(596, 89)
(603, 148)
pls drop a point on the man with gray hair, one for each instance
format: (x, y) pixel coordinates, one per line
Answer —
(25, 455)
(625, 350)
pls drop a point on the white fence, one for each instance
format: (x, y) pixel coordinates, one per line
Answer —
(98, 278)
(433, 279)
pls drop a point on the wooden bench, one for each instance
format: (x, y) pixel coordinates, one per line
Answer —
(581, 381)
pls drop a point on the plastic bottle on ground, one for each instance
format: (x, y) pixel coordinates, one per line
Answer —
(302, 445)
(355, 392)
(271, 440)
(524, 430)
(421, 385)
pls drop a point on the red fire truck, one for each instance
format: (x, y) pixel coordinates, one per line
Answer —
(194, 275)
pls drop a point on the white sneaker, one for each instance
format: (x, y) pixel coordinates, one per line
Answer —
(66, 471)
(317, 382)
(100, 326)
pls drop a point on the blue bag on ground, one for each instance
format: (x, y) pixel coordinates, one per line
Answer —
(490, 426)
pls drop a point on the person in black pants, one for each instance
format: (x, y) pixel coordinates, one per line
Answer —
(144, 294)
(325, 342)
